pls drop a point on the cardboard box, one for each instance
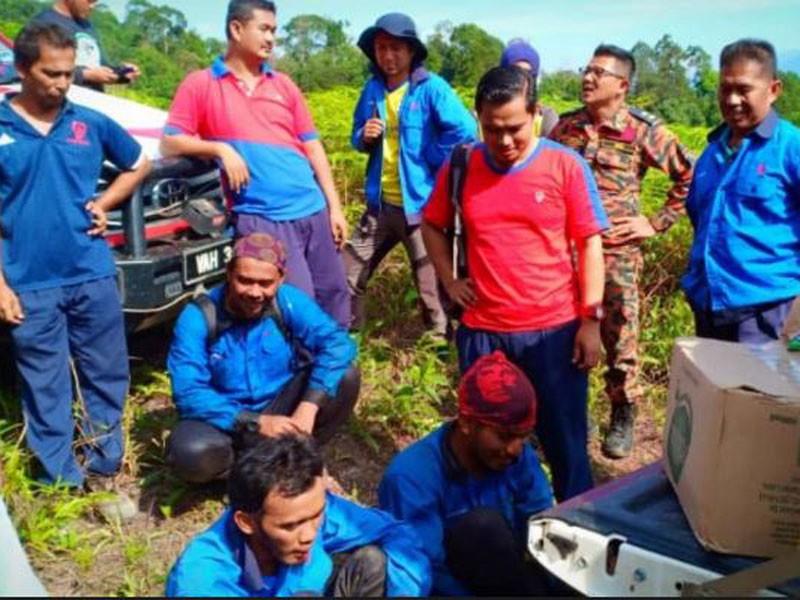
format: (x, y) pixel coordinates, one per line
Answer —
(732, 444)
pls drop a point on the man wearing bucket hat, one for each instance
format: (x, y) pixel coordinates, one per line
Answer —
(519, 53)
(256, 357)
(408, 121)
(469, 487)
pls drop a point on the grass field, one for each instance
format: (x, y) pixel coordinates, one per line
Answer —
(408, 390)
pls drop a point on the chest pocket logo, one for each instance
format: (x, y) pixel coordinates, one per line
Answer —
(79, 132)
(539, 196)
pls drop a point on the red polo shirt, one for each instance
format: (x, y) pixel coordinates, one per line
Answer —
(519, 224)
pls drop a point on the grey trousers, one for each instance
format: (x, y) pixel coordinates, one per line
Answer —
(371, 241)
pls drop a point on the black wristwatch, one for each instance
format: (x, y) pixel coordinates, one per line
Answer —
(247, 421)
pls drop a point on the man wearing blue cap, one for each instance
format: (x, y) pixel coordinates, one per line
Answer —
(520, 53)
(408, 121)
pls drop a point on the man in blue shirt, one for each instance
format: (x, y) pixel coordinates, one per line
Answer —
(255, 358)
(283, 531)
(91, 67)
(408, 121)
(744, 205)
(469, 487)
(57, 282)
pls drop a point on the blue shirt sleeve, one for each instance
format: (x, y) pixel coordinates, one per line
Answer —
(533, 493)
(119, 146)
(417, 503)
(188, 366)
(363, 112)
(331, 347)
(454, 123)
(349, 526)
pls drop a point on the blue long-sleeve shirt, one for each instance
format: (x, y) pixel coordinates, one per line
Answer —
(745, 210)
(219, 562)
(432, 121)
(425, 486)
(251, 361)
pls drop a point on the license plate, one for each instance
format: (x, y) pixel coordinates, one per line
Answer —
(200, 264)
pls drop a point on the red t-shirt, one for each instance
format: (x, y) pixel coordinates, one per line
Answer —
(519, 224)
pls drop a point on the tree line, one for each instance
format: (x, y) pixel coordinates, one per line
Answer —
(677, 83)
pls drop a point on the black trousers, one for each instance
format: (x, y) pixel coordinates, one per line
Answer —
(483, 554)
(199, 452)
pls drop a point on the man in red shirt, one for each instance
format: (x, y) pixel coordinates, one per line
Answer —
(254, 121)
(526, 203)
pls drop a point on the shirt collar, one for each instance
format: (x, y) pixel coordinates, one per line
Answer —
(244, 556)
(219, 69)
(8, 115)
(452, 468)
(765, 130)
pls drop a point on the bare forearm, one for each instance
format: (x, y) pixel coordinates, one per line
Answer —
(591, 270)
(322, 170)
(438, 248)
(123, 186)
(187, 145)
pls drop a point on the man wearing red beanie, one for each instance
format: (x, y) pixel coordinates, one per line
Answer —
(469, 487)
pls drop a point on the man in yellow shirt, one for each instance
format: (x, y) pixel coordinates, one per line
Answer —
(408, 121)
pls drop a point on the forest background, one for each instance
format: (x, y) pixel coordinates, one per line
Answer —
(408, 382)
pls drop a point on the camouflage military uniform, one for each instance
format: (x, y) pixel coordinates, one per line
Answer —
(620, 152)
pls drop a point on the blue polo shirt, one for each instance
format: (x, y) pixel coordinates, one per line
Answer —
(426, 486)
(745, 210)
(45, 183)
(219, 561)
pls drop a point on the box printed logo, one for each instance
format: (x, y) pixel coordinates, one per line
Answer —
(679, 437)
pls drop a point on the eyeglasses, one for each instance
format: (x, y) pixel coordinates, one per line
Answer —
(597, 72)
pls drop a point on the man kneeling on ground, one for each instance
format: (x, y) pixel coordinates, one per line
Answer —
(469, 487)
(284, 535)
(255, 358)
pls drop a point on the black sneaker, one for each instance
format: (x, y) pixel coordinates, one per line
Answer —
(619, 438)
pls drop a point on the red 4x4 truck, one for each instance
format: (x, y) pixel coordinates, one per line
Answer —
(171, 239)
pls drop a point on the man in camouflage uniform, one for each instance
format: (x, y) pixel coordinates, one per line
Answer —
(621, 143)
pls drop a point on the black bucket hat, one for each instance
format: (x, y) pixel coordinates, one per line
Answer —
(397, 25)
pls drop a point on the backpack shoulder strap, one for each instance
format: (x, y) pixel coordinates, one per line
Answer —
(214, 326)
(459, 159)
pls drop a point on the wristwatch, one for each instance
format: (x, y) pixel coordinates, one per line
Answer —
(247, 421)
(594, 312)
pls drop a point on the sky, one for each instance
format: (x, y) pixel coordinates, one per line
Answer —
(564, 33)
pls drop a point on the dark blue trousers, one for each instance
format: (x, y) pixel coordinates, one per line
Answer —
(313, 263)
(83, 321)
(561, 389)
(751, 325)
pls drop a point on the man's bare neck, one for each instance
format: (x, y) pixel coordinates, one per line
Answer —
(40, 118)
(605, 112)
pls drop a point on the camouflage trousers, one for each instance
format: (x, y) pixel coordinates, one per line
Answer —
(620, 327)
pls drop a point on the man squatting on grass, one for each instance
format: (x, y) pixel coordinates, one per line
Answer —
(469, 487)
(255, 122)
(527, 201)
(408, 121)
(285, 535)
(744, 205)
(256, 357)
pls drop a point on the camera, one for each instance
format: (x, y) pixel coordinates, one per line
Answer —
(122, 73)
